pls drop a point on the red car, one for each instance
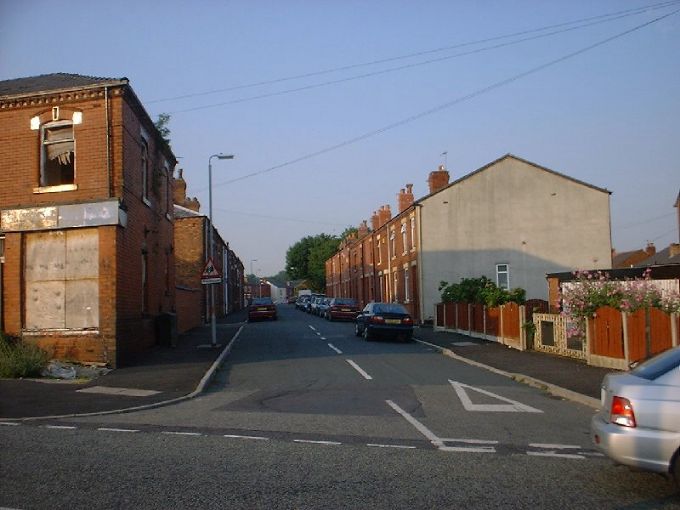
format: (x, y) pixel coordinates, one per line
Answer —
(342, 308)
(261, 308)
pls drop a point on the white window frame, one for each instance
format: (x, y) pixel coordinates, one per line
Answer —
(62, 186)
(407, 290)
(413, 233)
(503, 269)
(393, 244)
(404, 239)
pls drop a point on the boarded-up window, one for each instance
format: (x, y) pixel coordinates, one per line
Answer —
(62, 279)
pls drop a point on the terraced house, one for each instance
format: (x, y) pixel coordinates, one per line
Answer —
(86, 213)
(511, 220)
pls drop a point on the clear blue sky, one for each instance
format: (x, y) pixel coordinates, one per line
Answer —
(609, 116)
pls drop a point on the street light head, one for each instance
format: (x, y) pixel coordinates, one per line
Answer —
(225, 156)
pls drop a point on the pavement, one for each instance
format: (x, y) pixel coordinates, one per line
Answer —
(166, 375)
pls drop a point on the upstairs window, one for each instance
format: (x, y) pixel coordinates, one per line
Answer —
(58, 154)
(404, 240)
(503, 276)
(145, 170)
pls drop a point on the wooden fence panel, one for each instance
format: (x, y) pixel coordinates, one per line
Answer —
(661, 331)
(493, 316)
(511, 325)
(463, 322)
(478, 318)
(450, 314)
(439, 307)
(606, 333)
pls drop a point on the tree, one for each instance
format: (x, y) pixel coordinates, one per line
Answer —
(306, 259)
(162, 126)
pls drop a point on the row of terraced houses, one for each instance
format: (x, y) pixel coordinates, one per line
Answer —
(101, 252)
(512, 220)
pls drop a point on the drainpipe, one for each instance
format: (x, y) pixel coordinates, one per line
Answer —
(108, 143)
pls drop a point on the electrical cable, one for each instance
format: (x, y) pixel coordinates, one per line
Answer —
(449, 104)
(615, 15)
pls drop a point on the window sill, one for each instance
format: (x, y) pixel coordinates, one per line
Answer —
(55, 189)
(146, 201)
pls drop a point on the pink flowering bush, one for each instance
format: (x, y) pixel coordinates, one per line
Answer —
(594, 289)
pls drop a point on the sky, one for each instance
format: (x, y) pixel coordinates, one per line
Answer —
(330, 107)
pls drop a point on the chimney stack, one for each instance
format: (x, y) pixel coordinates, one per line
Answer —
(650, 249)
(438, 179)
(363, 229)
(375, 221)
(384, 215)
(179, 193)
(405, 198)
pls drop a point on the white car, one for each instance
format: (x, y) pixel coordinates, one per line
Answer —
(639, 424)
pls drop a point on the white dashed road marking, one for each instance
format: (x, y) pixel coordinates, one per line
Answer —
(60, 427)
(555, 446)
(309, 441)
(335, 348)
(182, 433)
(399, 446)
(554, 454)
(109, 429)
(9, 423)
(256, 438)
(359, 369)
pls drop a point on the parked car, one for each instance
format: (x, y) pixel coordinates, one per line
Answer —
(386, 320)
(262, 308)
(302, 301)
(639, 424)
(322, 307)
(342, 308)
(314, 303)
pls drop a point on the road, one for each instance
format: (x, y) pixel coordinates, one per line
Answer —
(305, 415)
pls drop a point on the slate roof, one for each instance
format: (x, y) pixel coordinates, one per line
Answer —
(53, 82)
(662, 257)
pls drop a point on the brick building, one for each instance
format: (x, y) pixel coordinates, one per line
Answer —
(86, 213)
(380, 263)
(192, 247)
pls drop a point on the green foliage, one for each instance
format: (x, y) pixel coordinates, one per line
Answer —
(479, 290)
(18, 359)
(306, 259)
(162, 126)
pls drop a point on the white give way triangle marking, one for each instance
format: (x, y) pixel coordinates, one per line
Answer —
(512, 406)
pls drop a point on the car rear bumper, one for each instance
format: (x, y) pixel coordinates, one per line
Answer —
(642, 448)
(261, 315)
(343, 315)
(392, 331)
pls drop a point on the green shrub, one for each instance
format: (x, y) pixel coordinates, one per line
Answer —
(18, 359)
(480, 290)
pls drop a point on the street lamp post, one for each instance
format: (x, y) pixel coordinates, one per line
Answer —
(213, 324)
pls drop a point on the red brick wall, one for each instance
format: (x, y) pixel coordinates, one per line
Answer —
(125, 328)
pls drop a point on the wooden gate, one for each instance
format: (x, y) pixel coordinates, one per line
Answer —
(660, 333)
(606, 333)
(511, 331)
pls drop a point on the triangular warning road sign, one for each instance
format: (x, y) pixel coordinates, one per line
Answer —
(210, 271)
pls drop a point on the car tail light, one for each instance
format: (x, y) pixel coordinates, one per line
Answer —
(407, 320)
(622, 412)
(377, 319)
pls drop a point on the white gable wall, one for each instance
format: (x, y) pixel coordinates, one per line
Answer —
(512, 213)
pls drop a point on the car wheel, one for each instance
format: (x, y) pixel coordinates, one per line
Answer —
(676, 469)
(367, 334)
(357, 331)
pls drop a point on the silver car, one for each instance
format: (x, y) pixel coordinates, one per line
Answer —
(639, 424)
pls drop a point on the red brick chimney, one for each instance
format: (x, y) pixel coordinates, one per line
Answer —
(385, 214)
(179, 189)
(650, 249)
(405, 198)
(438, 179)
(179, 194)
(363, 229)
(375, 221)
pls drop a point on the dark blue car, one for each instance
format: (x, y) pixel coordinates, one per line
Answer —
(384, 320)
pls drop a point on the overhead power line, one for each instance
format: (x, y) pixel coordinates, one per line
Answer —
(602, 17)
(448, 104)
